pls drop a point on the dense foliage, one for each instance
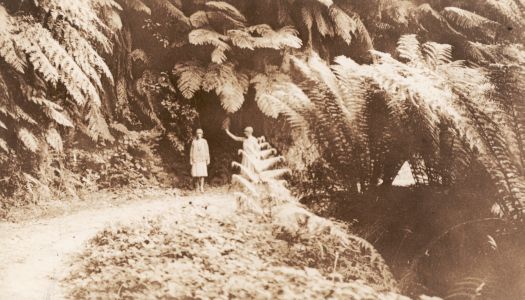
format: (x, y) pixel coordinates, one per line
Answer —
(366, 85)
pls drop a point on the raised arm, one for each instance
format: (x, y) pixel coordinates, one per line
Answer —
(234, 137)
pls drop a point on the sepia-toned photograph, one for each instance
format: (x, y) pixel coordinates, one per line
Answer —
(262, 149)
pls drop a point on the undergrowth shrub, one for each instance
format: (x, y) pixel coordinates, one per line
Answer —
(132, 161)
(192, 254)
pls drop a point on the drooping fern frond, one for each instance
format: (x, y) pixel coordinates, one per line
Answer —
(506, 11)
(137, 5)
(285, 37)
(29, 141)
(53, 111)
(467, 20)
(54, 140)
(228, 83)
(3, 145)
(408, 48)
(7, 48)
(227, 8)
(82, 16)
(166, 6)
(437, 54)
(97, 127)
(54, 63)
(276, 94)
(190, 76)
(209, 37)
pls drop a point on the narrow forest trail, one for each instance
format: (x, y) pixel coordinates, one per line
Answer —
(34, 255)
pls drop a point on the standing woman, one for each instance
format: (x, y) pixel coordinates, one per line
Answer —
(199, 159)
(250, 145)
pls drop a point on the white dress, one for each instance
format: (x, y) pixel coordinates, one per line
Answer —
(199, 158)
(251, 148)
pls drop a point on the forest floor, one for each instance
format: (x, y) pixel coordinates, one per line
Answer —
(144, 244)
(34, 253)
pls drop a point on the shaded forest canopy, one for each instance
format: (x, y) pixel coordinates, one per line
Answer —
(106, 93)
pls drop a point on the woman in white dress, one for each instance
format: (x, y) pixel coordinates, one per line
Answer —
(199, 159)
(250, 145)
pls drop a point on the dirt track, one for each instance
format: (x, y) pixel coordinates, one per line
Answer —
(34, 255)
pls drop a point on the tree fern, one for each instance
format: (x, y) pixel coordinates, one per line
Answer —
(54, 63)
(80, 15)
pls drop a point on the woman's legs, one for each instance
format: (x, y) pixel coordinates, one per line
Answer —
(202, 183)
(197, 185)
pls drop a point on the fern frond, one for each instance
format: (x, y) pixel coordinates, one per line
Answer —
(54, 63)
(190, 77)
(229, 84)
(246, 172)
(20, 114)
(227, 8)
(344, 25)
(199, 19)
(247, 185)
(507, 11)
(165, 6)
(265, 164)
(467, 20)
(242, 39)
(53, 111)
(324, 27)
(86, 57)
(28, 140)
(273, 174)
(276, 94)
(409, 48)
(3, 145)
(97, 128)
(137, 5)
(208, 37)
(437, 54)
(284, 37)
(54, 140)
(81, 15)
(7, 48)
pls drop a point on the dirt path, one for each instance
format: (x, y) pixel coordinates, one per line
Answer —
(33, 255)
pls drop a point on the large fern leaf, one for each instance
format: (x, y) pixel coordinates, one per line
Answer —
(29, 141)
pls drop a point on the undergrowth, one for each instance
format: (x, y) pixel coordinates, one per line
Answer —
(194, 254)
